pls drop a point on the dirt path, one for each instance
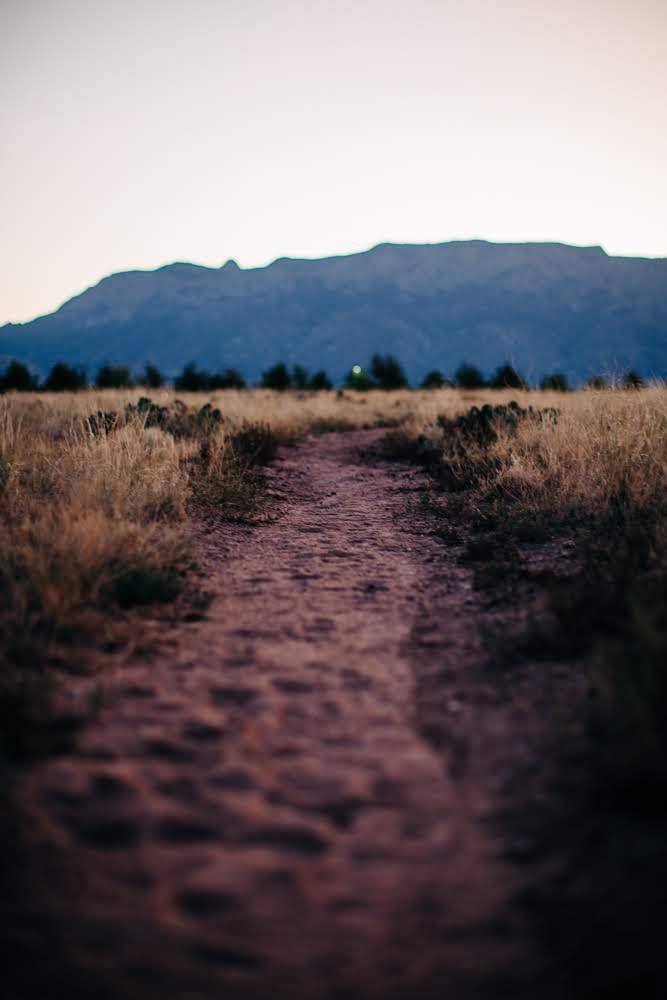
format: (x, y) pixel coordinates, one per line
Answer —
(299, 802)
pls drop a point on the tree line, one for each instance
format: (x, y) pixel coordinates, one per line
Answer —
(383, 372)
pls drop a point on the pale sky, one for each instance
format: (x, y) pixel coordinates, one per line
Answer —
(139, 132)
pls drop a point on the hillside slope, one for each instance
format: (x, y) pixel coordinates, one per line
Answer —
(543, 306)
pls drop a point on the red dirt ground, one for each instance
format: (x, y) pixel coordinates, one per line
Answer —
(300, 797)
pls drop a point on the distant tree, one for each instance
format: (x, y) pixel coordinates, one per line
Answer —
(320, 380)
(64, 378)
(632, 380)
(469, 376)
(151, 377)
(506, 377)
(299, 377)
(17, 377)
(435, 380)
(277, 377)
(359, 379)
(113, 377)
(557, 382)
(388, 372)
(597, 382)
(230, 378)
(192, 380)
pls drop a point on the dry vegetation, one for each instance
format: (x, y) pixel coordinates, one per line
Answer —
(601, 449)
(96, 513)
(96, 498)
(591, 466)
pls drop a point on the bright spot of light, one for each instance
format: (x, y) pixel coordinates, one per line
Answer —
(356, 369)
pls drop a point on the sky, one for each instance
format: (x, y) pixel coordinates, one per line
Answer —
(139, 132)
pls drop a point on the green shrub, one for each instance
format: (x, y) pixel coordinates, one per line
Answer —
(633, 380)
(17, 377)
(435, 380)
(456, 453)
(176, 419)
(387, 372)
(227, 477)
(481, 425)
(254, 444)
(230, 378)
(277, 377)
(151, 377)
(556, 382)
(113, 377)
(506, 377)
(64, 378)
(359, 379)
(299, 377)
(140, 585)
(320, 380)
(102, 422)
(192, 380)
(468, 376)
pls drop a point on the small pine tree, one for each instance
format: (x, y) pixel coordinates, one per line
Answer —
(358, 379)
(320, 380)
(507, 377)
(387, 372)
(18, 377)
(299, 377)
(192, 379)
(277, 377)
(230, 378)
(468, 376)
(557, 382)
(113, 377)
(434, 380)
(151, 377)
(597, 382)
(632, 380)
(64, 378)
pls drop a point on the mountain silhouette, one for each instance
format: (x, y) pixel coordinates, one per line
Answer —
(543, 306)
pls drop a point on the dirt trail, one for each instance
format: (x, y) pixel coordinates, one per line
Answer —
(299, 801)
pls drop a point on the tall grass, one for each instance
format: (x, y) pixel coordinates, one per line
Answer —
(603, 448)
(77, 510)
(596, 469)
(87, 505)
(93, 518)
(79, 507)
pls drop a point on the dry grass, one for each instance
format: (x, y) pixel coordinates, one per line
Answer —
(82, 508)
(605, 448)
(79, 508)
(599, 473)
(94, 520)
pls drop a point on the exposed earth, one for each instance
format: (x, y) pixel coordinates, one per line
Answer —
(322, 789)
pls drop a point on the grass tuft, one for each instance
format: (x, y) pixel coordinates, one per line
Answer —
(141, 585)
(593, 469)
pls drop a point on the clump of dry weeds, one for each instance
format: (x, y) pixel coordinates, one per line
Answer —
(95, 496)
(594, 465)
(96, 493)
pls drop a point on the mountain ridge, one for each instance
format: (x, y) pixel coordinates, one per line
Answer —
(545, 306)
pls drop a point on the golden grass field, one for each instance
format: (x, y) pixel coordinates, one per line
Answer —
(82, 507)
(77, 506)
